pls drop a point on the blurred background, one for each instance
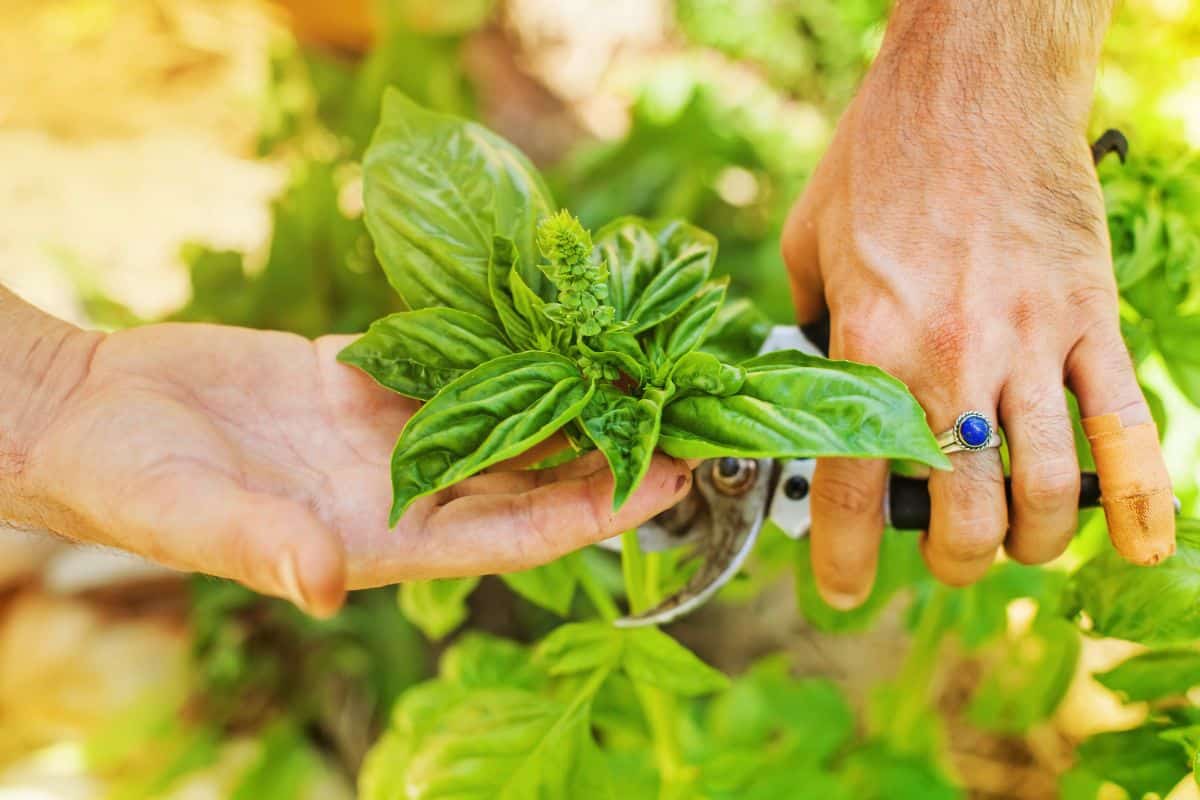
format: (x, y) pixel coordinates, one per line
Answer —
(198, 160)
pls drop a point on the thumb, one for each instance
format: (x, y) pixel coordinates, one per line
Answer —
(800, 255)
(204, 521)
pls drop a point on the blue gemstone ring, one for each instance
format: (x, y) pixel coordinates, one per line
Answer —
(971, 431)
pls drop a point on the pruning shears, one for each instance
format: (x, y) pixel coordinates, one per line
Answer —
(731, 498)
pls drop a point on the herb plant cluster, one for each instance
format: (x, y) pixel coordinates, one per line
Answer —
(522, 325)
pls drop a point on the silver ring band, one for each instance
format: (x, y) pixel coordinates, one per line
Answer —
(972, 431)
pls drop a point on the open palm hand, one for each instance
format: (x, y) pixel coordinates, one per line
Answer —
(257, 456)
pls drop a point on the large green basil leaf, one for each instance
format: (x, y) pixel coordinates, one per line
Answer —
(491, 413)
(486, 744)
(436, 188)
(737, 333)
(631, 251)
(683, 333)
(686, 257)
(1156, 606)
(1154, 675)
(799, 406)
(416, 353)
(625, 429)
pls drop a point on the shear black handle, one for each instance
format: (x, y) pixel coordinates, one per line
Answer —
(908, 499)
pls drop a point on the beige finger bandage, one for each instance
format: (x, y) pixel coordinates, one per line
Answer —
(1135, 489)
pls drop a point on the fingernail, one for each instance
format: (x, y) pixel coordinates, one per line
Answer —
(289, 581)
(842, 601)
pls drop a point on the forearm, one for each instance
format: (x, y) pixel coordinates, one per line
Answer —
(41, 360)
(975, 58)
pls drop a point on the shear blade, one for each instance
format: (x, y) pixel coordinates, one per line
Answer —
(728, 522)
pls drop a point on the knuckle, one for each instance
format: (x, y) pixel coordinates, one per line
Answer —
(843, 495)
(972, 538)
(947, 339)
(1047, 485)
(1095, 302)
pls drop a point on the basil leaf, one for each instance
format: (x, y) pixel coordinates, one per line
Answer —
(436, 188)
(737, 333)
(437, 607)
(416, 353)
(766, 705)
(683, 333)
(703, 373)
(1176, 337)
(503, 743)
(547, 334)
(618, 360)
(580, 647)
(493, 412)
(1154, 675)
(1139, 760)
(800, 406)
(686, 257)
(501, 263)
(653, 657)
(1155, 606)
(625, 429)
(551, 586)
(480, 660)
(631, 251)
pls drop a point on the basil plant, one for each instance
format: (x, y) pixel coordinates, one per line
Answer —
(522, 324)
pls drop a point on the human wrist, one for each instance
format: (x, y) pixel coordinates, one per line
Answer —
(42, 361)
(1022, 66)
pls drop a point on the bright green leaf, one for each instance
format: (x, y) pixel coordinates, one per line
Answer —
(581, 647)
(493, 412)
(686, 257)
(799, 406)
(737, 333)
(1154, 675)
(684, 332)
(1157, 606)
(654, 657)
(416, 353)
(479, 660)
(1138, 760)
(437, 607)
(551, 586)
(436, 189)
(625, 429)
